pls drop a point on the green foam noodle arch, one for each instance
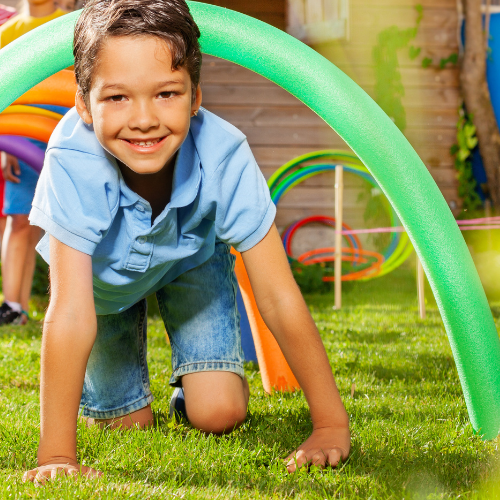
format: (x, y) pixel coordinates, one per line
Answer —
(374, 138)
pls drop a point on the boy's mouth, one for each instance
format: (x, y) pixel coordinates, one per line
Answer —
(145, 143)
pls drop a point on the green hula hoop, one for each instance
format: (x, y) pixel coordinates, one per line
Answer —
(284, 176)
(374, 138)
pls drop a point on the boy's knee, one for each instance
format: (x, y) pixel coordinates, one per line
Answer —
(218, 417)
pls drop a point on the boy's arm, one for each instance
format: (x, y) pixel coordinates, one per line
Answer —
(287, 316)
(69, 332)
(10, 167)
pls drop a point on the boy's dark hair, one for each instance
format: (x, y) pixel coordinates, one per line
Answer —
(169, 20)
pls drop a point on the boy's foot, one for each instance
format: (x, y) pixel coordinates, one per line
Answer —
(8, 315)
(178, 404)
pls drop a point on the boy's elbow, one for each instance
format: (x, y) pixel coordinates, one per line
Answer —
(64, 321)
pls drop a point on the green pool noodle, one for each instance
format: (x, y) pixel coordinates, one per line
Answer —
(372, 136)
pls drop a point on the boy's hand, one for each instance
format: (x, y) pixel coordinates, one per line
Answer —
(10, 167)
(60, 467)
(325, 446)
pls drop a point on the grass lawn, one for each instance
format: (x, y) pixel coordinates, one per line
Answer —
(411, 433)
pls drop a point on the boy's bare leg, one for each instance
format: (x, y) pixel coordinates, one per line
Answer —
(216, 402)
(140, 418)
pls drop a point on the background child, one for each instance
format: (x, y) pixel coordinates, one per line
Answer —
(144, 191)
(20, 239)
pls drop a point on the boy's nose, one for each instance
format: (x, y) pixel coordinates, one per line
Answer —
(143, 117)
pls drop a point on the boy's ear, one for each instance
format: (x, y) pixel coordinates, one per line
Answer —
(81, 108)
(197, 101)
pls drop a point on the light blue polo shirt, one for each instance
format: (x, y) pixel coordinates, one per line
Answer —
(82, 200)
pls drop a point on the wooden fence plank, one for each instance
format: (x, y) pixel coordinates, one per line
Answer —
(426, 4)
(246, 7)
(404, 17)
(274, 95)
(224, 72)
(433, 157)
(342, 53)
(274, 116)
(325, 137)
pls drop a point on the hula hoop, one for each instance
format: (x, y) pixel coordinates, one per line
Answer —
(283, 180)
(374, 138)
(306, 259)
(24, 150)
(289, 233)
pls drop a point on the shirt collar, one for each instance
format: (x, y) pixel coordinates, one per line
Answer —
(186, 179)
(187, 175)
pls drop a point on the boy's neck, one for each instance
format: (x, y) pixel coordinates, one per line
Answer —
(42, 9)
(154, 188)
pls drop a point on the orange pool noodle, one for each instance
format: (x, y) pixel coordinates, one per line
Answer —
(274, 370)
(33, 126)
(58, 90)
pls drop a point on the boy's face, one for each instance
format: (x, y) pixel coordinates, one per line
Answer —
(140, 108)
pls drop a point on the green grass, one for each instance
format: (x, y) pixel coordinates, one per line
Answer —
(411, 434)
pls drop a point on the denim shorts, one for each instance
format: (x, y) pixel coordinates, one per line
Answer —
(203, 323)
(19, 197)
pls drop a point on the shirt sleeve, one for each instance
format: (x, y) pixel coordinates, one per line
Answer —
(76, 199)
(245, 211)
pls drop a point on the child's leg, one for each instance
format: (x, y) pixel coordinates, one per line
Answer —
(15, 250)
(29, 267)
(116, 386)
(140, 418)
(215, 401)
(202, 320)
(20, 239)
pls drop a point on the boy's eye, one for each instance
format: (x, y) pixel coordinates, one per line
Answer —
(166, 95)
(116, 98)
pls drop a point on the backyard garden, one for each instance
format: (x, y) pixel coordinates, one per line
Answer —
(411, 436)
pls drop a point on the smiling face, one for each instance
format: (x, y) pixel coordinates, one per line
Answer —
(139, 106)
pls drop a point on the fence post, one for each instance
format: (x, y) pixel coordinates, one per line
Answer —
(339, 195)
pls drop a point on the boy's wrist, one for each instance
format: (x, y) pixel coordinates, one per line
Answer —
(51, 453)
(336, 418)
(57, 460)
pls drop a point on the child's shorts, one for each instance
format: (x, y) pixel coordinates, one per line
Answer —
(202, 320)
(19, 197)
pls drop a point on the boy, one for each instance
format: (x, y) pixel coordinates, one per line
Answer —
(18, 248)
(144, 191)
